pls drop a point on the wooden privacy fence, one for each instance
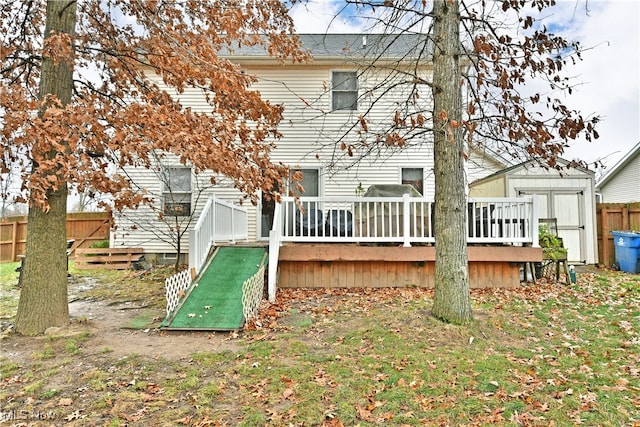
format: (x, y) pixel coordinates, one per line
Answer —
(85, 228)
(614, 217)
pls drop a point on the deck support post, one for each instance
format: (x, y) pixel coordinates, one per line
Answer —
(274, 252)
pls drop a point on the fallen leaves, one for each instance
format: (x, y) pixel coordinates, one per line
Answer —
(350, 356)
(366, 412)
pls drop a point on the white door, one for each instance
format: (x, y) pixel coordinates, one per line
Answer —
(567, 206)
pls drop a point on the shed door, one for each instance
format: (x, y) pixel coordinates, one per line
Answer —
(568, 207)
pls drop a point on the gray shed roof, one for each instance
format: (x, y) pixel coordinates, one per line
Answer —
(524, 165)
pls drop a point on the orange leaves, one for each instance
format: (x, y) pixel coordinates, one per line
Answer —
(124, 113)
(366, 412)
(363, 123)
(58, 47)
(394, 140)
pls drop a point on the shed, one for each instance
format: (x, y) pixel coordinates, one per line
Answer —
(567, 194)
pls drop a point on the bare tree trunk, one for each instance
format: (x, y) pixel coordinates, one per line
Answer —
(43, 298)
(176, 266)
(452, 301)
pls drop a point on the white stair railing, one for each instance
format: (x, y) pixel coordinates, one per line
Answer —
(219, 221)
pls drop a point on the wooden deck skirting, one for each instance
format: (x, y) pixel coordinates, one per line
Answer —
(345, 266)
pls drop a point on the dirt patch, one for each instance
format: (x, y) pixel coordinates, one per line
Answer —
(117, 328)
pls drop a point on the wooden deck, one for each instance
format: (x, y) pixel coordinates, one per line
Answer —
(352, 265)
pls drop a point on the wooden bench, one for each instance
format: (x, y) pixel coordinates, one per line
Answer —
(109, 258)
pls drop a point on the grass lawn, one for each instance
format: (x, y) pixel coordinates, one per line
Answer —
(540, 355)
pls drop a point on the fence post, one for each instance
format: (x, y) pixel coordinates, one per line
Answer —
(193, 251)
(604, 237)
(233, 225)
(212, 218)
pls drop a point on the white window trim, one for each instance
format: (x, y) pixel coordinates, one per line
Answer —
(332, 90)
(166, 189)
(259, 230)
(417, 168)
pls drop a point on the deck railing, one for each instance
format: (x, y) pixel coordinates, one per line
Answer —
(404, 220)
(219, 221)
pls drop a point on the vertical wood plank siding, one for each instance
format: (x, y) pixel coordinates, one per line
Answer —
(380, 274)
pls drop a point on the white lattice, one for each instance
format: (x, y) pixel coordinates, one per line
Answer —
(175, 288)
(252, 290)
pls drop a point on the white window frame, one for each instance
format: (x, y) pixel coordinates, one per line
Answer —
(411, 182)
(303, 169)
(335, 90)
(169, 195)
(259, 230)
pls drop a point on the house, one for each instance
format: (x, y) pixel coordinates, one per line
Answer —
(620, 183)
(322, 99)
(567, 195)
(322, 136)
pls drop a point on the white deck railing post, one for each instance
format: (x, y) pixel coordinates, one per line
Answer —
(534, 222)
(406, 217)
(233, 226)
(274, 251)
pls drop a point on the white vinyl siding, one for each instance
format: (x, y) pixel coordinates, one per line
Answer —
(309, 130)
(312, 135)
(144, 228)
(624, 186)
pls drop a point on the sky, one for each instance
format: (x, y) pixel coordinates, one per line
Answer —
(608, 77)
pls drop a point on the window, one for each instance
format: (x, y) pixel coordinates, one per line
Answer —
(176, 196)
(344, 93)
(413, 176)
(310, 182)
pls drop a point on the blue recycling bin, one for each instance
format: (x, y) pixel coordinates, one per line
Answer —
(627, 246)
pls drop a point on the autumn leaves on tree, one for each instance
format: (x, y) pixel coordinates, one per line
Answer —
(84, 95)
(81, 97)
(488, 52)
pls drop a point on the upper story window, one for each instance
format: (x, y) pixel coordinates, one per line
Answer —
(344, 90)
(415, 177)
(176, 194)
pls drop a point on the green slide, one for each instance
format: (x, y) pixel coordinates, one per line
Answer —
(214, 302)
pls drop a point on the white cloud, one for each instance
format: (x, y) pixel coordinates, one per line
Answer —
(324, 16)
